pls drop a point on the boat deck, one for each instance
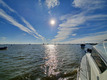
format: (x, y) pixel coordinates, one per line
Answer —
(83, 69)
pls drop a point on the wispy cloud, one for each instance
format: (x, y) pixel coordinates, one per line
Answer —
(12, 21)
(71, 22)
(69, 25)
(74, 34)
(93, 37)
(5, 5)
(32, 29)
(89, 4)
(63, 34)
(28, 28)
(52, 3)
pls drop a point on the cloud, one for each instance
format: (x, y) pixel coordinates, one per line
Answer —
(74, 34)
(52, 3)
(28, 28)
(63, 34)
(5, 5)
(12, 21)
(95, 38)
(89, 4)
(31, 28)
(98, 17)
(72, 22)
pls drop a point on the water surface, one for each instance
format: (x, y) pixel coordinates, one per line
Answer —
(40, 62)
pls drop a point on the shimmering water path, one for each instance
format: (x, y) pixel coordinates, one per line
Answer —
(40, 62)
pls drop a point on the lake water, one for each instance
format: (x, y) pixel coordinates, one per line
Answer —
(40, 62)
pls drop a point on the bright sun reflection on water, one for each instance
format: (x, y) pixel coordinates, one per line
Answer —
(51, 63)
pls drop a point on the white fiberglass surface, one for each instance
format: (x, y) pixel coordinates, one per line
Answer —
(102, 49)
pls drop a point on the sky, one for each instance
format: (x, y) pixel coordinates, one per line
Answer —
(52, 21)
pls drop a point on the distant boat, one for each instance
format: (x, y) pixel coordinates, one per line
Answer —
(82, 46)
(3, 48)
(93, 43)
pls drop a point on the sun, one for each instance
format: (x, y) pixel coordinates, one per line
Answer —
(52, 22)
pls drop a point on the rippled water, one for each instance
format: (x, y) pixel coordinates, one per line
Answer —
(40, 62)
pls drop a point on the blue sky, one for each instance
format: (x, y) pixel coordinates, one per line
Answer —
(76, 21)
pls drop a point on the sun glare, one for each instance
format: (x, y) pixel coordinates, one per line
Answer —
(52, 22)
